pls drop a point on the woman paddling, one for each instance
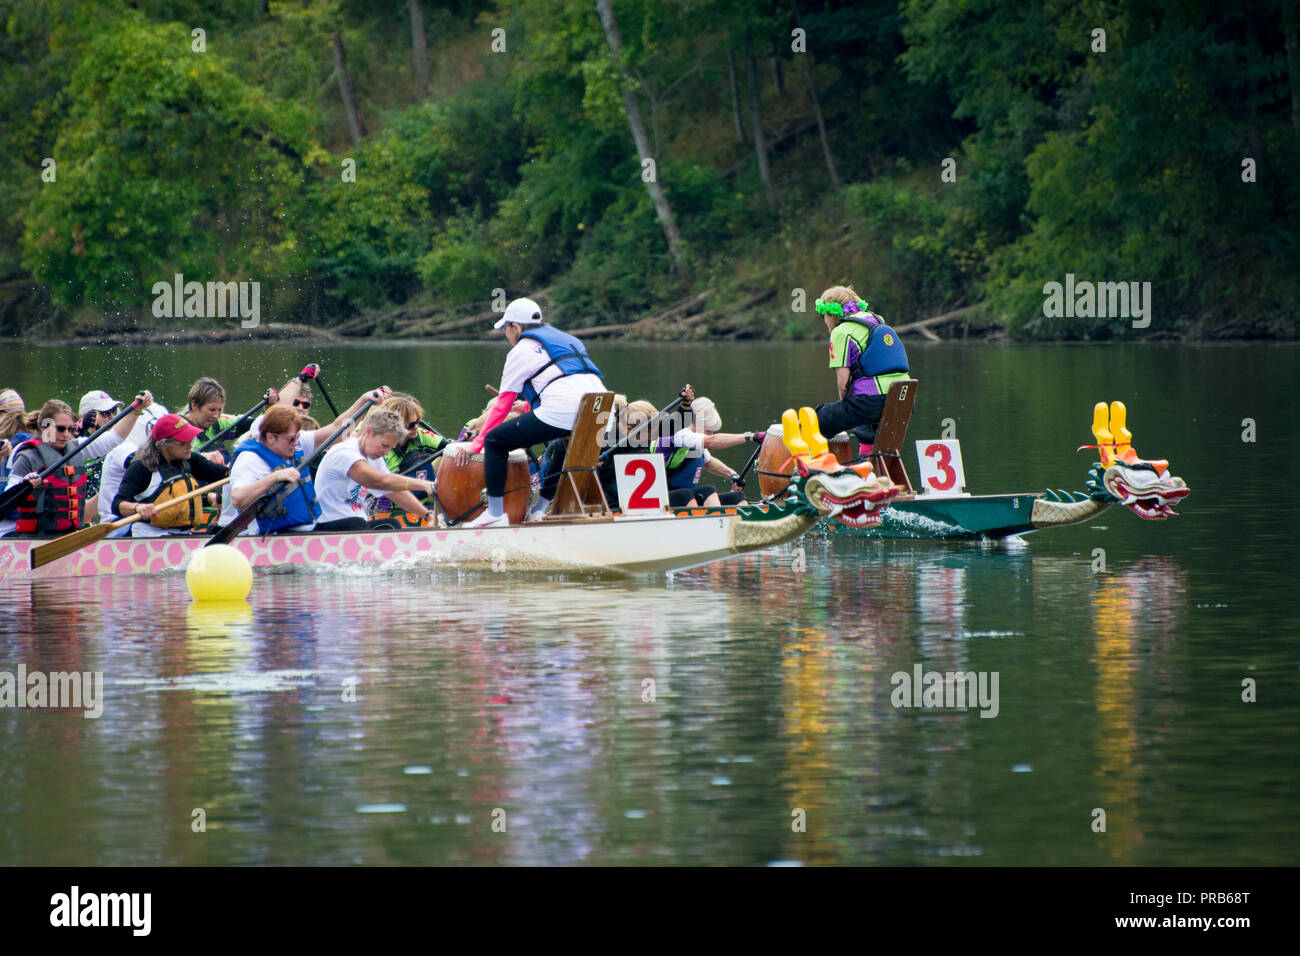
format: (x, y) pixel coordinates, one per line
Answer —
(354, 469)
(56, 504)
(163, 469)
(550, 370)
(273, 452)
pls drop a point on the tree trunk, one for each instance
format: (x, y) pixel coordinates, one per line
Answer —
(735, 100)
(657, 198)
(1290, 27)
(345, 89)
(817, 108)
(778, 75)
(419, 48)
(756, 124)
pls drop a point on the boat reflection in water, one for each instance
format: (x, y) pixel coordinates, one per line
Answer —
(1137, 616)
(467, 717)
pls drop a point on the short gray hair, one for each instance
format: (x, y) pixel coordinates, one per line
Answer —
(385, 421)
(706, 414)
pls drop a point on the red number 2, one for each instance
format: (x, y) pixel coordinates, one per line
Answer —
(943, 461)
(638, 498)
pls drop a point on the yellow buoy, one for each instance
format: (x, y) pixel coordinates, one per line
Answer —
(219, 573)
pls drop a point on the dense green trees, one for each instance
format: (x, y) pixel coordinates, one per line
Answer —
(974, 149)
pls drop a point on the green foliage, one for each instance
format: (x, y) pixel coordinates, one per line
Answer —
(167, 162)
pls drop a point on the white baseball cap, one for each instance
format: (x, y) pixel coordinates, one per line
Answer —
(97, 400)
(521, 311)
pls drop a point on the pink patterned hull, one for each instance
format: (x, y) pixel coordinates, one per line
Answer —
(622, 544)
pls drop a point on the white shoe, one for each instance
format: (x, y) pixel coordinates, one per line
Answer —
(486, 520)
(537, 513)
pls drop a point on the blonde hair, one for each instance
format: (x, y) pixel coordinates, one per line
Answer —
(842, 294)
(706, 414)
(474, 424)
(404, 405)
(385, 421)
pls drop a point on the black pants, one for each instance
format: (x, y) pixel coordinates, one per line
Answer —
(687, 497)
(343, 524)
(522, 432)
(859, 414)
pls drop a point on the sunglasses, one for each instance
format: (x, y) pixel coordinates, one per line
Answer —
(299, 404)
(60, 429)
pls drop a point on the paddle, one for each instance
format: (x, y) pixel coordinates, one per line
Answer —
(234, 428)
(667, 410)
(326, 395)
(748, 465)
(43, 554)
(282, 489)
(14, 496)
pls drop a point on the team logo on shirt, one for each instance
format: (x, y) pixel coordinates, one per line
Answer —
(888, 339)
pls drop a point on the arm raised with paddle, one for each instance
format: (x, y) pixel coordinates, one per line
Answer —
(20, 488)
(268, 492)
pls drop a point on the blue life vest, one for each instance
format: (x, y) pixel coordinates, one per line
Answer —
(565, 352)
(884, 352)
(298, 508)
(684, 470)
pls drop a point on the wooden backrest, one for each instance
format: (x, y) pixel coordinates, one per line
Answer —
(886, 451)
(579, 491)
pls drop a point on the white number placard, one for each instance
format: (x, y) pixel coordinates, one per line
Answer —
(939, 461)
(642, 484)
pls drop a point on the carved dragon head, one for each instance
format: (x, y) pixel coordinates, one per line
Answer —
(1145, 487)
(850, 493)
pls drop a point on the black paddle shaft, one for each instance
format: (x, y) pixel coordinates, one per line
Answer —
(626, 439)
(281, 489)
(14, 496)
(326, 395)
(234, 428)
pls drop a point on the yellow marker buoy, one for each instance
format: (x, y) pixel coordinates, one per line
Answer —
(219, 573)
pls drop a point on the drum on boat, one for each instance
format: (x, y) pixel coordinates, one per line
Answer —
(463, 488)
(775, 461)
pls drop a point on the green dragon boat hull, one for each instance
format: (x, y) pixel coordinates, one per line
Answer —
(956, 519)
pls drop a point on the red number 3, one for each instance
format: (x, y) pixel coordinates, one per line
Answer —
(638, 497)
(943, 461)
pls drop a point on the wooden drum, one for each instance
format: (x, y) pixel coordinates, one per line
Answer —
(774, 459)
(462, 489)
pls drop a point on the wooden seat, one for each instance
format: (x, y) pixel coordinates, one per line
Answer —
(886, 451)
(579, 491)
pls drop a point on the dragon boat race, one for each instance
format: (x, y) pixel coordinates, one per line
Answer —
(648, 433)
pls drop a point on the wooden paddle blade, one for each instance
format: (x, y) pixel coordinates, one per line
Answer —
(43, 554)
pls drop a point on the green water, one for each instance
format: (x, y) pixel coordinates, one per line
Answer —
(429, 716)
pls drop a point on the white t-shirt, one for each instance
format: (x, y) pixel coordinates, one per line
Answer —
(558, 407)
(248, 468)
(339, 496)
(110, 479)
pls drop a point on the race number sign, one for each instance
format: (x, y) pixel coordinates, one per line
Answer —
(939, 461)
(642, 484)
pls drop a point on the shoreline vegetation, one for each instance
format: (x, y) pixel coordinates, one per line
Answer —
(652, 170)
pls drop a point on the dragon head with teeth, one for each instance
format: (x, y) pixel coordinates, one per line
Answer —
(1145, 487)
(850, 493)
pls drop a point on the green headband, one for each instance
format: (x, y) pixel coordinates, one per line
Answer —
(838, 310)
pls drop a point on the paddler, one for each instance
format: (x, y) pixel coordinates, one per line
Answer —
(274, 451)
(163, 469)
(551, 371)
(412, 449)
(56, 504)
(867, 357)
(354, 470)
